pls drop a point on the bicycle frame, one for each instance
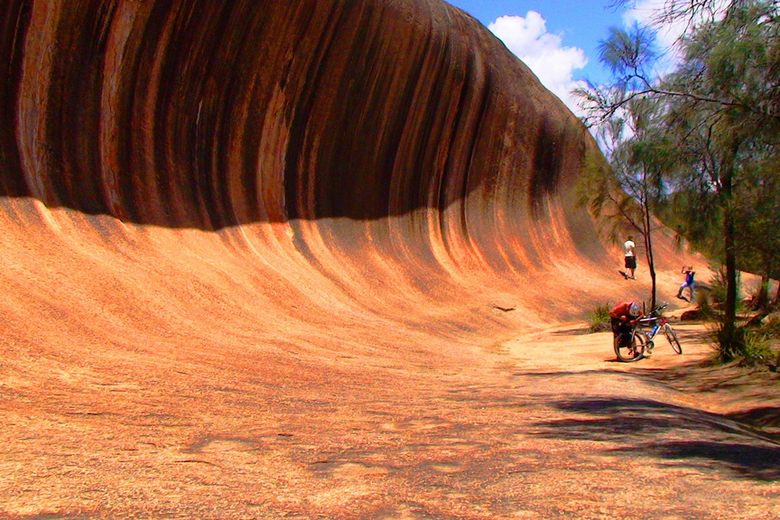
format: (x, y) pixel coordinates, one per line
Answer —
(653, 323)
(656, 322)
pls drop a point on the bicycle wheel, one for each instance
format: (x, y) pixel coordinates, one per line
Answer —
(671, 336)
(630, 348)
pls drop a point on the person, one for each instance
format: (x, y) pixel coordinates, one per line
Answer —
(630, 257)
(689, 282)
(623, 317)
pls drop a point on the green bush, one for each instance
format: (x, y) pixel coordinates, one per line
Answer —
(718, 288)
(598, 318)
(749, 346)
(756, 348)
(705, 306)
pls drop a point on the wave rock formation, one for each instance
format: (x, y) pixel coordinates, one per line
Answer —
(305, 158)
(309, 197)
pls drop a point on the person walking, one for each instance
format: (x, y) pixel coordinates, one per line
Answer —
(629, 248)
(689, 282)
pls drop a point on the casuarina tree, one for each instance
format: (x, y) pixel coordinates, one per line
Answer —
(721, 110)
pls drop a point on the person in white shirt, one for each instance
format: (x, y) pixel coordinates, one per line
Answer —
(630, 257)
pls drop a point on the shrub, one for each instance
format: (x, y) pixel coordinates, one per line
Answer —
(705, 306)
(598, 318)
(756, 348)
(749, 346)
(718, 288)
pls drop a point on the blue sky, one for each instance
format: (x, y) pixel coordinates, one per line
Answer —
(557, 39)
(580, 24)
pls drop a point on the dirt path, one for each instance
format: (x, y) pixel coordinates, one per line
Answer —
(527, 435)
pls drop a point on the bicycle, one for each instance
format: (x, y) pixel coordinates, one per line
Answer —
(640, 344)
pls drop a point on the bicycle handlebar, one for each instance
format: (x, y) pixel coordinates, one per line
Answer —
(658, 309)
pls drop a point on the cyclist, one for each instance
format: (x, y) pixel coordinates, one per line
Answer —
(623, 318)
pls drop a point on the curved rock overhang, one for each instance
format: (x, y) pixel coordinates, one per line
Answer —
(388, 159)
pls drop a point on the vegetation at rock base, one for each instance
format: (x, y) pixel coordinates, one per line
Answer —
(752, 346)
(598, 318)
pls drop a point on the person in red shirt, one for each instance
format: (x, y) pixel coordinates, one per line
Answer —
(623, 317)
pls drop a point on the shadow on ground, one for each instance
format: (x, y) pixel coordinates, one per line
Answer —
(687, 436)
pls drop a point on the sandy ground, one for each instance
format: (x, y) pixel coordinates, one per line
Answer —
(159, 373)
(549, 425)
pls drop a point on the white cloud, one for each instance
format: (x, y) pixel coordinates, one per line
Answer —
(543, 52)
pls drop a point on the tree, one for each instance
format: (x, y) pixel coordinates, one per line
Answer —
(736, 61)
(722, 105)
(625, 193)
(752, 22)
(758, 220)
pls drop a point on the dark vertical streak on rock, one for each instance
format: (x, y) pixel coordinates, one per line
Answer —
(461, 157)
(14, 21)
(76, 70)
(146, 168)
(84, 79)
(247, 95)
(438, 52)
(299, 178)
(166, 103)
(215, 114)
(547, 163)
(203, 94)
(478, 139)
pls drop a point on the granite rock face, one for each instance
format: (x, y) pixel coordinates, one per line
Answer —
(392, 152)
(213, 114)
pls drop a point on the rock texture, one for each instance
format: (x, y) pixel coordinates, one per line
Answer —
(258, 258)
(214, 115)
(387, 159)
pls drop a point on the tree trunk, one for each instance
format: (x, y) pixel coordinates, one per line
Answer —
(728, 338)
(649, 254)
(730, 310)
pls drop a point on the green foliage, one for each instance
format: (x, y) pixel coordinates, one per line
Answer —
(707, 152)
(719, 286)
(705, 307)
(598, 318)
(598, 189)
(626, 51)
(697, 219)
(748, 346)
(757, 216)
(755, 349)
(593, 184)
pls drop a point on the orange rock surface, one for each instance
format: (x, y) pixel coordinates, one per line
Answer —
(304, 258)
